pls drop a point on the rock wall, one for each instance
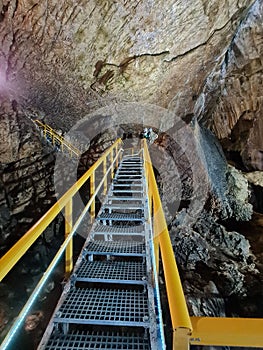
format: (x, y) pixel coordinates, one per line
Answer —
(26, 186)
(232, 98)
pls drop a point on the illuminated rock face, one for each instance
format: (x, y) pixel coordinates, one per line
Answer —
(233, 98)
(160, 52)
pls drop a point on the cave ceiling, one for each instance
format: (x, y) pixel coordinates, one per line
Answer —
(65, 59)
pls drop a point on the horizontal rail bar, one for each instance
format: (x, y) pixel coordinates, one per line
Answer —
(224, 331)
(19, 249)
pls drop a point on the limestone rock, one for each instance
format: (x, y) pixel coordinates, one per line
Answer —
(238, 194)
(232, 97)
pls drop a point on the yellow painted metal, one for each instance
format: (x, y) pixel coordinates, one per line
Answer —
(25, 242)
(105, 181)
(117, 159)
(111, 160)
(194, 330)
(56, 138)
(68, 229)
(181, 339)
(223, 331)
(92, 190)
(177, 304)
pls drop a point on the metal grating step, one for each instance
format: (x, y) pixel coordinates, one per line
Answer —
(108, 307)
(95, 340)
(129, 172)
(120, 217)
(128, 181)
(124, 272)
(125, 191)
(131, 185)
(128, 175)
(123, 206)
(136, 198)
(117, 248)
(125, 230)
(132, 164)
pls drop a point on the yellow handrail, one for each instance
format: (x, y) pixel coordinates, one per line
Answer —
(217, 331)
(226, 331)
(48, 131)
(19, 249)
(181, 323)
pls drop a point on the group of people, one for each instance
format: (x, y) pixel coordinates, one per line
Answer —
(149, 135)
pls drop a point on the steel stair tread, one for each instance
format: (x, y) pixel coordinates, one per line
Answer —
(128, 175)
(94, 340)
(112, 307)
(123, 206)
(125, 272)
(125, 191)
(123, 198)
(122, 248)
(127, 185)
(121, 216)
(99, 228)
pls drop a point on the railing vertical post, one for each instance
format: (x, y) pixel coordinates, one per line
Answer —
(92, 190)
(181, 339)
(111, 161)
(104, 173)
(117, 159)
(45, 131)
(68, 228)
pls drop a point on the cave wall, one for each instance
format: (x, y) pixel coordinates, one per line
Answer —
(26, 171)
(232, 97)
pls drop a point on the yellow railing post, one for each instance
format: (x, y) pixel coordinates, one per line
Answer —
(68, 228)
(117, 159)
(105, 185)
(111, 161)
(92, 190)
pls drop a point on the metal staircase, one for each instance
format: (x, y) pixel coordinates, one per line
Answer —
(111, 300)
(58, 141)
(111, 297)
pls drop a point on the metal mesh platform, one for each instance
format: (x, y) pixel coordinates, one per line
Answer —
(99, 228)
(129, 171)
(115, 248)
(124, 206)
(125, 272)
(113, 307)
(79, 340)
(121, 216)
(128, 181)
(130, 185)
(132, 191)
(138, 176)
(137, 198)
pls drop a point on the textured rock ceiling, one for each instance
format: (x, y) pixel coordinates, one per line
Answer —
(59, 57)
